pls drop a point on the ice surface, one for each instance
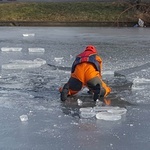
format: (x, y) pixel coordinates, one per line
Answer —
(36, 50)
(24, 64)
(11, 49)
(47, 129)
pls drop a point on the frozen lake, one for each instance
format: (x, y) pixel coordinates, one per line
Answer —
(29, 87)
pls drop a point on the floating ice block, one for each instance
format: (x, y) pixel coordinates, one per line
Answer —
(108, 116)
(36, 50)
(11, 49)
(28, 34)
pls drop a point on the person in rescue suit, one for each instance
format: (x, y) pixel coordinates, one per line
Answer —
(86, 72)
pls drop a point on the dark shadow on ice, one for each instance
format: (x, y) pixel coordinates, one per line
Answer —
(71, 107)
(54, 67)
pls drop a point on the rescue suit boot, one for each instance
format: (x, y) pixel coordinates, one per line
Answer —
(96, 92)
(64, 92)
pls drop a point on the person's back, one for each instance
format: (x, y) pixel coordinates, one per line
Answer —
(84, 72)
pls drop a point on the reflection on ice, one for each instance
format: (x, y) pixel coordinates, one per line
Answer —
(24, 64)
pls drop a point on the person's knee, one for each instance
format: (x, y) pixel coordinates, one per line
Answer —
(75, 84)
(94, 83)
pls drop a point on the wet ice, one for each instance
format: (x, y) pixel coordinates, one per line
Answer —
(56, 125)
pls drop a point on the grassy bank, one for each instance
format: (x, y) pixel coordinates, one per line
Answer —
(69, 12)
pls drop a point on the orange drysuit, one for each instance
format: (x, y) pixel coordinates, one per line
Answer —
(86, 72)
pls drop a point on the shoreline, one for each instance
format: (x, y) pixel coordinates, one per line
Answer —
(67, 24)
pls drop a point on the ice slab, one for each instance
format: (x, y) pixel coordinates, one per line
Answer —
(28, 34)
(24, 64)
(141, 81)
(103, 112)
(87, 114)
(86, 109)
(108, 116)
(104, 108)
(11, 49)
(36, 50)
(119, 111)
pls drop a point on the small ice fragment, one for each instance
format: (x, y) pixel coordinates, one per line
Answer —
(71, 56)
(108, 116)
(28, 34)
(79, 102)
(98, 102)
(59, 59)
(36, 50)
(24, 118)
(11, 49)
(131, 125)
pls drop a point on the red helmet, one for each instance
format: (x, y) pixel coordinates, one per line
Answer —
(91, 48)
